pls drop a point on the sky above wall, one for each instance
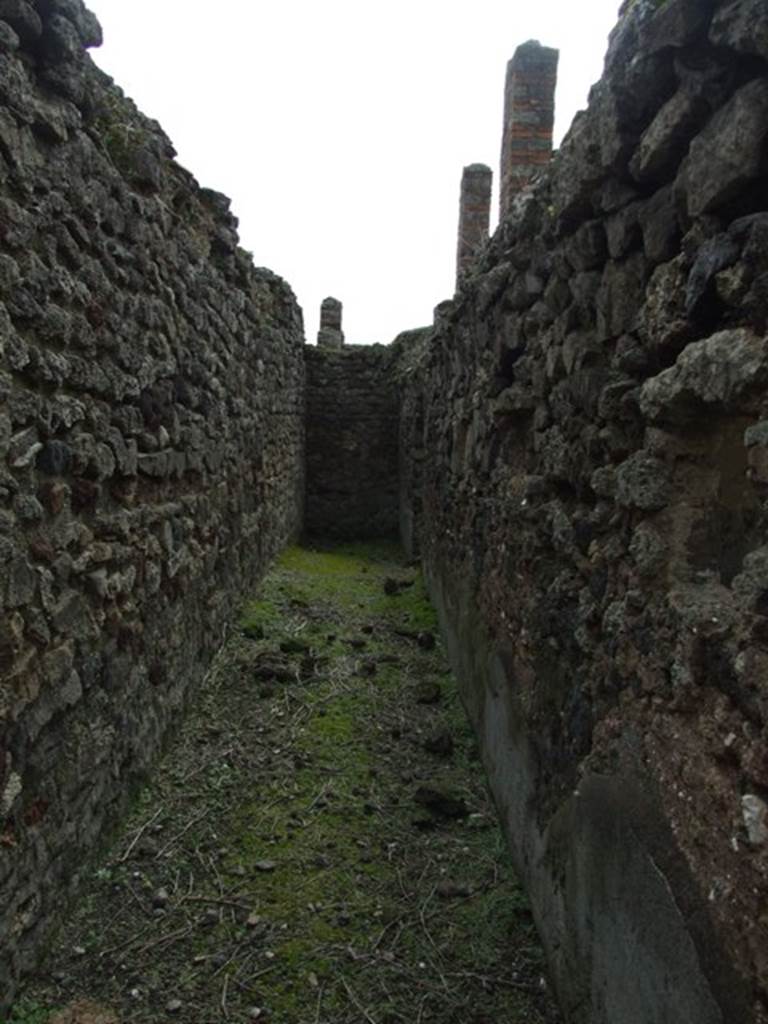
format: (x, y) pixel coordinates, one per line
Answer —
(340, 128)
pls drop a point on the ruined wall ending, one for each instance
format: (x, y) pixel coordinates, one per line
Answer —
(151, 442)
(595, 408)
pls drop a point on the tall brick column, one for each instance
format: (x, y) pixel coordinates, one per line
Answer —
(330, 334)
(474, 214)
(529, 114)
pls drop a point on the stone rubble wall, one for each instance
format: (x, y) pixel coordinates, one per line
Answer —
(592, 416)
(410, 348)
(352, 442)
(151, 451)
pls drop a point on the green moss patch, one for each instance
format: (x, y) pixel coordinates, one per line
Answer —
(318, 846)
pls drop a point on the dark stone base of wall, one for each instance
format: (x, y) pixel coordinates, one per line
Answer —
(614, 901)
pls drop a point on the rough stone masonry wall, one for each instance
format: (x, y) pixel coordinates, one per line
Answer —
(150, 450)
(352, 450)
(595, 413)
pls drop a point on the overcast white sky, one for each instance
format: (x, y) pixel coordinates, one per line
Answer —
(340, 127)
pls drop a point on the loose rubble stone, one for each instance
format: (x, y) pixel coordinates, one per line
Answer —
(161, 898)
(755, 819)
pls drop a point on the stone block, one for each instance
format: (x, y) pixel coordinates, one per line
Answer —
(60, 41)
(666, 140)
(23, 19)
(659, 224)
(741, 26)
(9, 40)
(643, 482)
(676, 23)
(726, 372)
(729, 155)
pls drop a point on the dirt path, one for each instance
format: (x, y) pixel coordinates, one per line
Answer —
(317, 846)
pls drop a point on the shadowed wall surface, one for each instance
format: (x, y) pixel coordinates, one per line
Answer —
(352, 449)
(593, 417)
(529, 117)
(151, 451)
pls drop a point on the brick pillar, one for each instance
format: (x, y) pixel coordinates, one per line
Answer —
(529, 114)
(474, 214)
(330, 334)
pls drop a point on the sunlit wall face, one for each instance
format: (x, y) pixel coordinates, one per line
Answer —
(340, 129)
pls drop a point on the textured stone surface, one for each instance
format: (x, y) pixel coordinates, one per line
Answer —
(529, 113)
(742, 26)
(730, 154)
(474, 214)
(585, 471)
(151, 431)
(725, 373)
(675, 23)
(352, 451)
(330, 334)
(582, 461)
(666, 139)
(23, 19)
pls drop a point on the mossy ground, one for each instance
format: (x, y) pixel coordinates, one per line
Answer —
(278, 868)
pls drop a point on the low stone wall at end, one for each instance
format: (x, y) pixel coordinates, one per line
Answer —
(151, 448)
(352, 442)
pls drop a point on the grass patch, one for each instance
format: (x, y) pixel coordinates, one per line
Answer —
(29, 1012)
(280, 859)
